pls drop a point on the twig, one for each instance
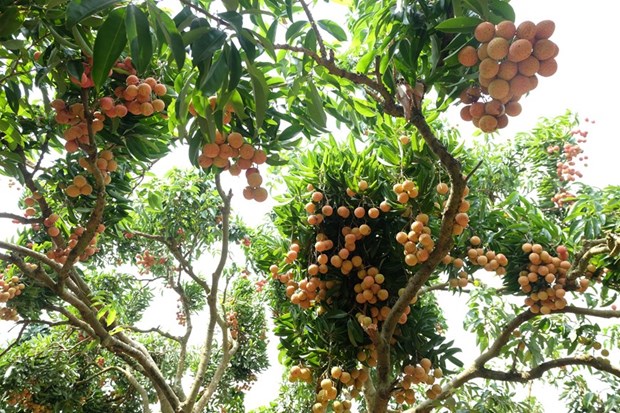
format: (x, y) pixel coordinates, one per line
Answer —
(157, 330)
(389, 104)
(471, 173)
(319, 39)
(206, 13)
(15, 342)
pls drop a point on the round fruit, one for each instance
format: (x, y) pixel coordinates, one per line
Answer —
(499, 88)
(507, 70)
(545, 49)
(529, 66)
(526, 30)
(477, 110)
(484, 32)
(494, 107)
(260, 194)
(235, 140)
(520, 85)
(468, 56)
(548, 67)
(506, 29)
(519, 50)
(498, 48)
(488, 68)
(466, 113)
(545, 29)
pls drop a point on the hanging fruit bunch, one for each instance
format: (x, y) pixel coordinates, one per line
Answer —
(508, 59)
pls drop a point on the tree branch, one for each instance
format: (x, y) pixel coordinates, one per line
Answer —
(390, 106)
(207, 14)
(21, 219)
(477, 369)
(157, 330)
(319, 38)
(538, 371)
(442, 247)
(214, 317)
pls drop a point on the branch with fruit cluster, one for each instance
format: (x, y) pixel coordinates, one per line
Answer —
(477, 369)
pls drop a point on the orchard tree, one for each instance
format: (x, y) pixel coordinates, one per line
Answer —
(372, 227)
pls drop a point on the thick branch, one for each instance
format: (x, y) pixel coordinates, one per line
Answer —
(582, 260)
(477, 369)
(442, 247)
(42, 258)
(221, 369)
(214, 317)
(21, 219)
(538, 371)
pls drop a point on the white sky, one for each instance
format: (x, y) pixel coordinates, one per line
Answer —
(584, 83)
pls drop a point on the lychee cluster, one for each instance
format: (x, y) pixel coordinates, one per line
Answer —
(508, 59)
(147, 260)
(60, 255)
(545, 278)
(405, 191)
(9, 289)
(418, 243)
(74, 116)
(487, 259)
(23, 399)
(105, 163)
(231, 152)
(233, 324)
(419, 373)
(138, 97)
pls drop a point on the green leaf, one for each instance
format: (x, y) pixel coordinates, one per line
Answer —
(154, 201)
(77, 10)
(295, 29)
(233, 59)
(479, 6)
(463, 24)
(363, 108)
(365, 61)
(10, 21)
(315, 107)
(172, 37)
(13, 94)
(503, 9)
(355, 333)
(139, 37)
(233, 18)
(261, 92)
(109, 44)
(207, 44)
(247, 42)
(210, 83)
(334, 29)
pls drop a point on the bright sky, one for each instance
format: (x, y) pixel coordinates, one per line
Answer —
(584, 83)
